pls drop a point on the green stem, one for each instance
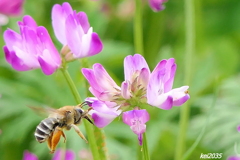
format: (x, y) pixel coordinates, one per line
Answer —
(145, 148)
(190, 44)
(138, 37)
(88, 126)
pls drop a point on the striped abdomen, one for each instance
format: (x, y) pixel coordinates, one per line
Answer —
(45, 129)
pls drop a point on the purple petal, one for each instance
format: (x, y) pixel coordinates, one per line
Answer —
(59, 16)
(47, 68)
(7, 54)
(136, 119)
(29, 21)
(96, 45)
(238, 128)
(168, 68)
(58, 23)
(140, 139)
(18, 63)
(125, 90)
(103, 79)
(233, 158)
(101, 113)
(68, 155)
(101, 120)
(157, 5)
(11, 39)
(74, 36)
(83, 20)
(133, 116)
(132, 64)
(180, 95)
(155, 87)
(47, 44)
(29, 156)
(144, 77)
(14, 8)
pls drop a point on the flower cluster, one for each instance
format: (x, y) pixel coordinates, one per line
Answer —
(139, 87)
(33, 47)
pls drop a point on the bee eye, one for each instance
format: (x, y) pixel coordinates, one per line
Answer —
(80, 111)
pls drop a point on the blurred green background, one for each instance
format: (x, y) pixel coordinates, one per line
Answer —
(215, 75)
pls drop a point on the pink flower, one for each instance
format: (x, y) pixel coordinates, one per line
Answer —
(12, 8)
(73, 29)
(136, 119)
(139, 87)
(159, 90)
(157, 5)
(101, 113)
(31, 49)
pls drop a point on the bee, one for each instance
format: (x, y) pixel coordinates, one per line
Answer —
(51, 129)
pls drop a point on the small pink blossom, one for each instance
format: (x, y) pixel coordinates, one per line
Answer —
(31, 49)
(73, 30)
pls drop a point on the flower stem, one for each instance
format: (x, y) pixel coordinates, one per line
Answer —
(138, 37)
(145, 148)
(190, 42)
(88, 126)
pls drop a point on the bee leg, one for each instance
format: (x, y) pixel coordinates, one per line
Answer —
(55, 139)
(65, 138)
(79, 132)
(49, 141)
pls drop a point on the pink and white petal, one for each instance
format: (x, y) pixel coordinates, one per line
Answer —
(20, 64)
(96, 45)
(160, 66)
(11, 39)
(155, 86)
(83, 20)
(29, 22)
(74, 36)
(181, 101)
(125, 90)
(169, 82)
(138, 129)
(132, 64)
(89, 75)
(29, 156)
(144, 77)
(101, 119)
(107, 95)
(7, 54)
(133, 116)
(142, 115)
(48, 45)
(85, 44)
(163, 101)
(103, 78)
(180, 95)
(100, 106)
(58, 22)
(48, 68)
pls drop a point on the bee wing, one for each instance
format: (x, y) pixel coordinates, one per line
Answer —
(43, 111)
